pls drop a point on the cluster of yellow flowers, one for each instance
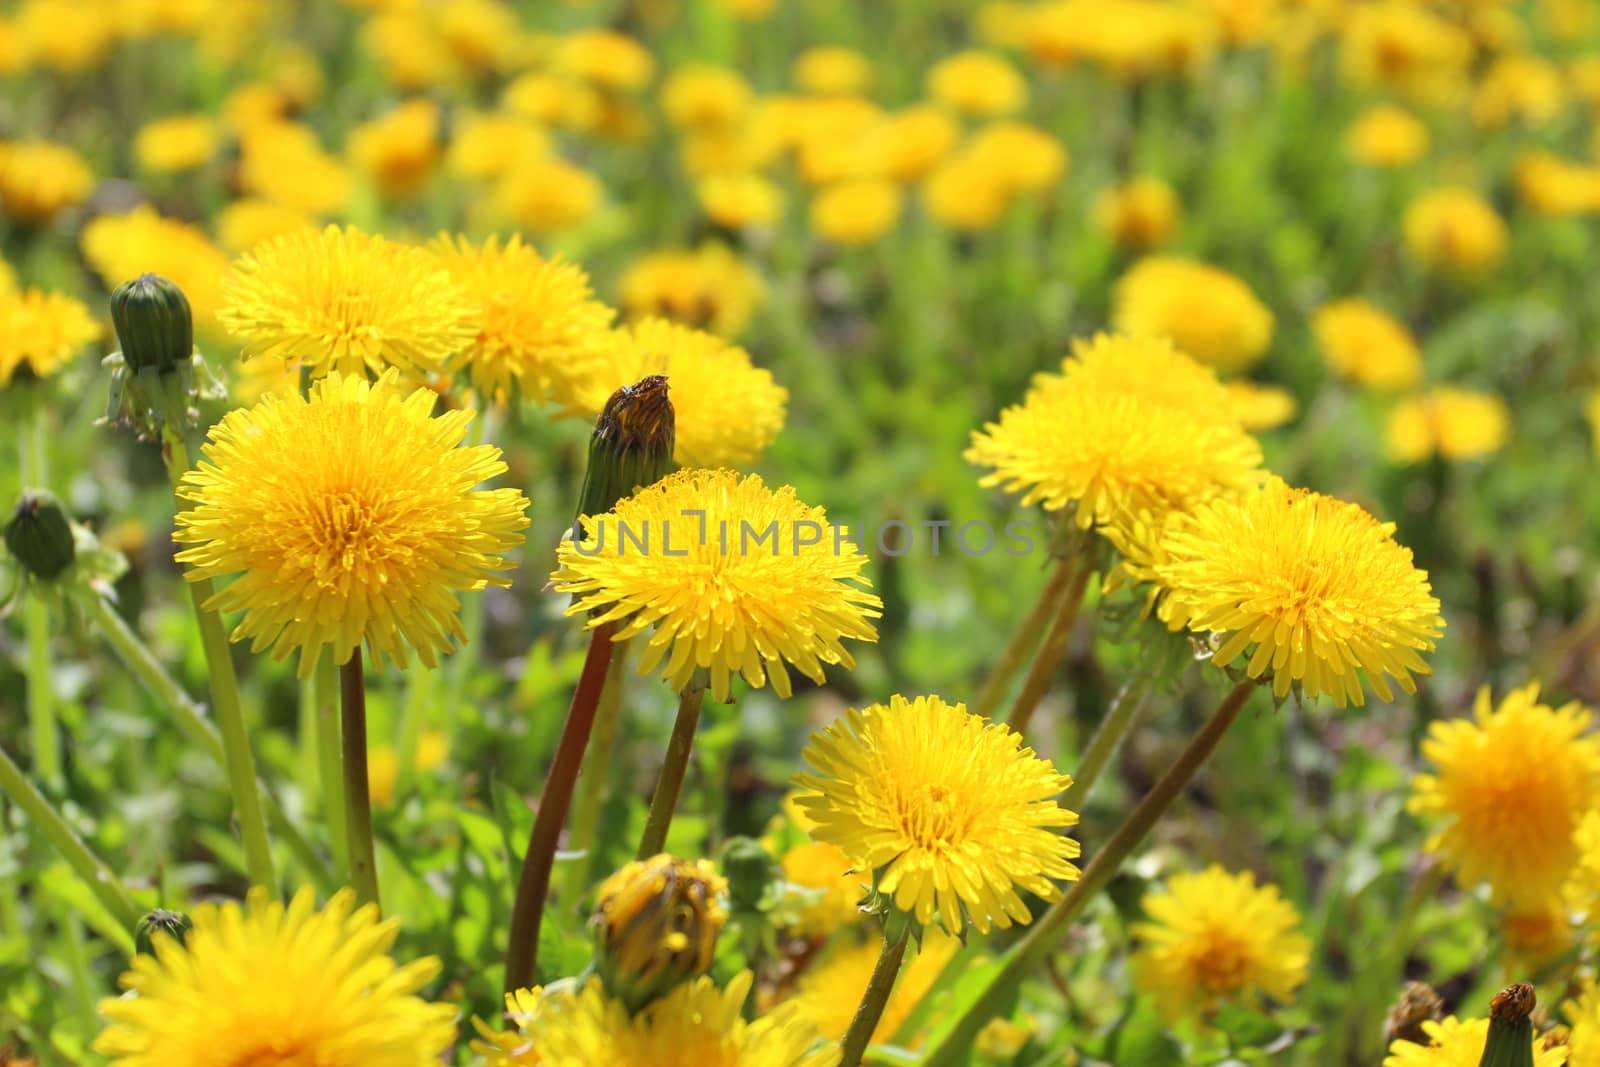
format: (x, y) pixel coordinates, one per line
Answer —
(342, 500)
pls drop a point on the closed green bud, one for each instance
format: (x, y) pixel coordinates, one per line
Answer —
(750, 871)
(154, 324)
(631, 446)
(39, 536)
(1510, 1041)
(656, 925)
(175, 924)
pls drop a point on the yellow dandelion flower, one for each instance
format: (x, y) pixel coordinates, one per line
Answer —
(709, 288)
(353, 518)
(548, 194)
(1318, 587)
(966, 194)
(830, 70)
(1208, 313)
(727, 409)
(1386, 136)
(1406, 47)
(1511, 784)
(978, 83)
(1556, 187)
(1141, 213)
(243, 224)
(1520, 86)
(1536, 938)
(831, 989)
(737, 199)
(1449, 422)
(40, 332)
(410, 54)
(1454, 229)
(950, 811)
(696, 1025)
(606, 58)
(540, 329)
(733, 577)
(913, 141)
(283, 162)
(1367, 345)
(491, 145)
(856, 212)
(1260, 407)
(178, 142)
(400, 149)
(383, 771)
(832, 887)
(1023, 158)
(1582, 1013)
(1456, 1042)
(513, 1047)
(1213, 937)
(40, 179)
(1130, 425)
(343, 300)
(1581, 893)
(281, 984)
(122, 247)
(703, 97)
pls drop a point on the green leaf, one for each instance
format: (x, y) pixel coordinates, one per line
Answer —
(1246, 1027)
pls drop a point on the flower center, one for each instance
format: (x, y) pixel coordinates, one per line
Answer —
(932, 817)
(1222, 965)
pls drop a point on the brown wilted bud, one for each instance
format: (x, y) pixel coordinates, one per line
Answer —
(1418, 1004)
(631, 446)
(1510, 1041)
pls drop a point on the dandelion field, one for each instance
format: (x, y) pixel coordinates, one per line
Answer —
(797, 533)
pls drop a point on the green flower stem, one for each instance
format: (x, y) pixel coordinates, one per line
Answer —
(85, 864)
(1045, 665)
(1023, 640)
(330, 761)
(357, 789)
(584, 830)
(1108, 737)
(665, 800)
(1045, 933)
(43, 741)
(527, 913)
(230, 714)
(875, 999)
(189, 717)
(41, 699)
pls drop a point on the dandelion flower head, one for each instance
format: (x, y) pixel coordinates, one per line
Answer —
(696, 1025)
(1367, 345)
(730, 576)
(540, 328)
(343, 300)
(40, 331)
(831, 989)
(350, 517)
(1450, 422)
(1510, 785)
(1207, 312)
(1319, 587)
(282, 984)
(1213, 937)
(1129, 425)
(948, 810)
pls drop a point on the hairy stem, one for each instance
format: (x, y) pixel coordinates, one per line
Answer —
(357, 790)
(673, 769)
(527, 914)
